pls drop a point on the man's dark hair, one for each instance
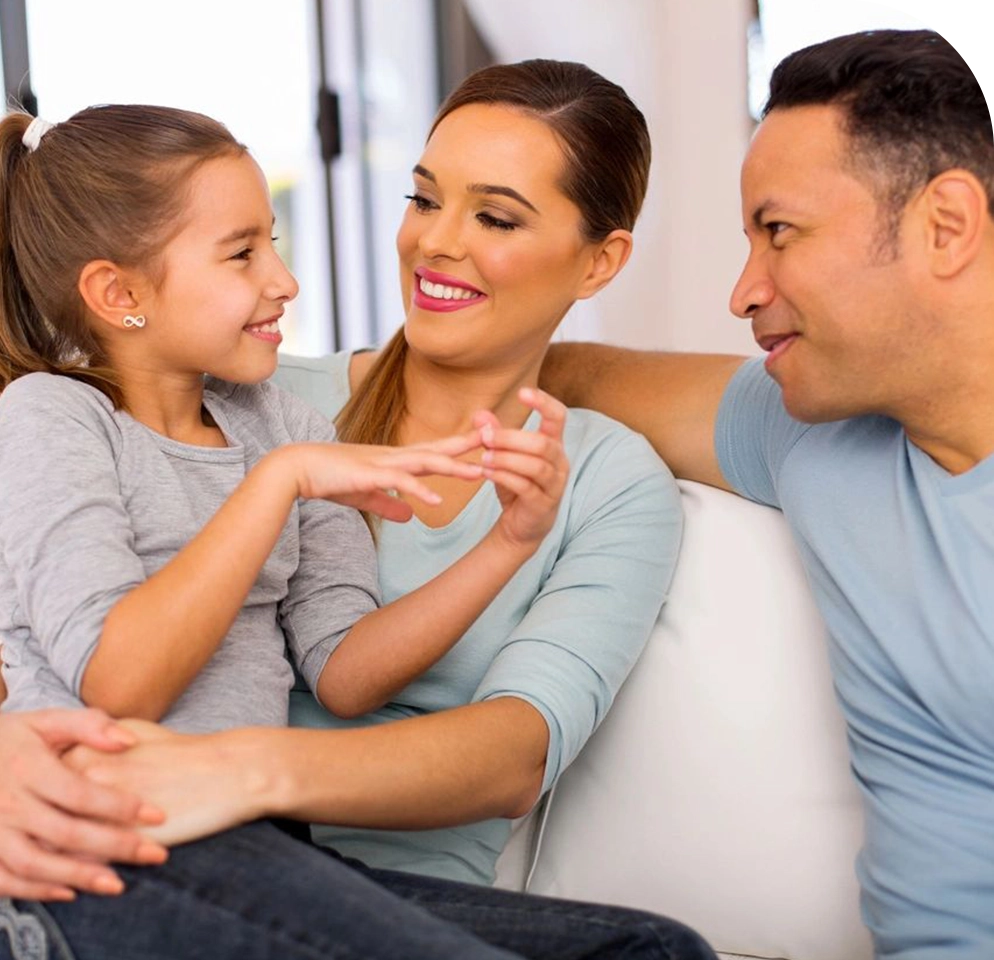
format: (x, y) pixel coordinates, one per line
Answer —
(912, 108)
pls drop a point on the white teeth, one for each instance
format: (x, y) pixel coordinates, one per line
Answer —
(273, 326)
(438, 291)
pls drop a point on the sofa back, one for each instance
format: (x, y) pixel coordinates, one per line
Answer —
(718, 789)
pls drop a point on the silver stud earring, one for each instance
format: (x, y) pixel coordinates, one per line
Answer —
(130, 321)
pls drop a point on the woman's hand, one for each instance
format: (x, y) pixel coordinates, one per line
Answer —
(369, 477)
(197, 782)
(57, 828)
(529, 468)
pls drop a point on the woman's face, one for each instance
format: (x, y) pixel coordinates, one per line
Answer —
(491, 251)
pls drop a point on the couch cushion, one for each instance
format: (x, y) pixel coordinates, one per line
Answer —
(718, 789)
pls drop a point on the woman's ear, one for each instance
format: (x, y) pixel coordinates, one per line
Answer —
(955, 204)
(107, 292)
(610, 256)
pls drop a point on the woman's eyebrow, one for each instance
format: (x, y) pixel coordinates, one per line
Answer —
(485, 188)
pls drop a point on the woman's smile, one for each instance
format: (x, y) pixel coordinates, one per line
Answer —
(443, 293)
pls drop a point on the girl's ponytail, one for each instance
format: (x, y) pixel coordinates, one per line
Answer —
(25, 344)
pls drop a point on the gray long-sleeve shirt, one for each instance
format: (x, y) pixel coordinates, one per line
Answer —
(92, 503)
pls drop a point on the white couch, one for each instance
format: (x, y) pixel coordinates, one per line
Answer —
(718, 789)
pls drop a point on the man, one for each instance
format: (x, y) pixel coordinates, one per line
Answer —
(867, 195)
(870, 283)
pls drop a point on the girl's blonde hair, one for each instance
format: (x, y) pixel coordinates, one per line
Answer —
(606, 154)
(108, 183)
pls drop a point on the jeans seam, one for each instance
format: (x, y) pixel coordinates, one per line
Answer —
(32, 931)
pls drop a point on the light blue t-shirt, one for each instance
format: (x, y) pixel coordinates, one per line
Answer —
(900, 556)
(562, 635)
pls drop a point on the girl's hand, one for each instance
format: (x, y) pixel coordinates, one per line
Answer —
(529, 468)
(370, 477)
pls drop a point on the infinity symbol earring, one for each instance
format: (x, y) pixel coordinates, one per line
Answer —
(130, 321)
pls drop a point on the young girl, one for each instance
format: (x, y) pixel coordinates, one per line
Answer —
(165, 538)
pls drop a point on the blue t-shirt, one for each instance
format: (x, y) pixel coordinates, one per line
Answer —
(900, 556)
(562, 635)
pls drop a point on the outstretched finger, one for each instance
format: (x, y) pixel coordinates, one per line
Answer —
(551, 410)
(454, 446)
(422, 462)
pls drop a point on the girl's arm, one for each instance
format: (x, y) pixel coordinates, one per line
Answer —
(113, 635)
(391, 646)
(161, 633)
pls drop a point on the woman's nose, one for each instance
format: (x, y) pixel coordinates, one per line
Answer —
(442, 237)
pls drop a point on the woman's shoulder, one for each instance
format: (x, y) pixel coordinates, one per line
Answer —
(592, 436)
(606, 458)
(323, 382)
(268, 411)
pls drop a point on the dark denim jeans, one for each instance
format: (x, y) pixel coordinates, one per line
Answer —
(255, 893)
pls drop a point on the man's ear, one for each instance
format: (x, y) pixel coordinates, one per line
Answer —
(107, 291)
(610, 256)
(955, 204)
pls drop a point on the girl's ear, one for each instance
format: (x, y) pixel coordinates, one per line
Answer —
(107, 292)
(611, 255)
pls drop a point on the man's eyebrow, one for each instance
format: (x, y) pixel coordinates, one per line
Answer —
(484, 188)
(764, 209)
(242, 233)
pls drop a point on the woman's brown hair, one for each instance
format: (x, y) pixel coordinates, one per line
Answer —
(108, 183)
(606, 153)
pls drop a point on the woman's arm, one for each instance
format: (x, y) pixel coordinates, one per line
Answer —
(393, 645)
(457, 766)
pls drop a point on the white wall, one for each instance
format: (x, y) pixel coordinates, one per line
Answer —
(684, 63)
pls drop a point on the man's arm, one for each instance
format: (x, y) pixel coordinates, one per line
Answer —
(671, 398)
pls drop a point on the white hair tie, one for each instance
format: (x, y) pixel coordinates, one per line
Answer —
(37, 128)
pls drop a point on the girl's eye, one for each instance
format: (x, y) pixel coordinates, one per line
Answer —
(420, 204)
(495, 223)
(245, 254)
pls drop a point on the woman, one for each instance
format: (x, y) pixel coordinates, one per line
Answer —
(523, 202)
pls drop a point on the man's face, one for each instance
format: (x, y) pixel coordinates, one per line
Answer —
(831, 303)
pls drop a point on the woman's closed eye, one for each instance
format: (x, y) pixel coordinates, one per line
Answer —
(421, 204)
(495, 223)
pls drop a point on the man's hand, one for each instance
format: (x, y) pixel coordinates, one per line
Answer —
(59, 830)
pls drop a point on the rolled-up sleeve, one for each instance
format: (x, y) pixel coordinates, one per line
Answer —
(587, 626)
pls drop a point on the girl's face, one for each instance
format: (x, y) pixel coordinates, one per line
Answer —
(491, 252)
(224, 287)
